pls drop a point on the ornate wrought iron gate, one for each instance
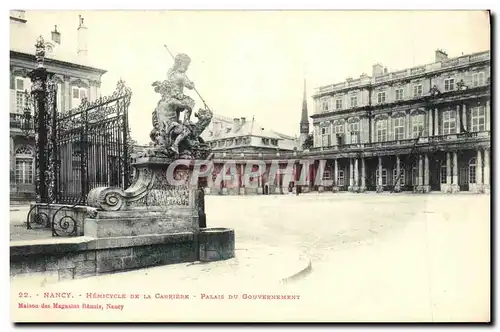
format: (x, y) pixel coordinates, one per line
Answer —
(80, 149)
(92, 147)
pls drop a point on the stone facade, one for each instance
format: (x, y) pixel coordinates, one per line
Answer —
(75, 80)
(245, 135)
(430, 124)
(421, 129)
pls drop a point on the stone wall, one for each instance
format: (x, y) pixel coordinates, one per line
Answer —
(80, 257)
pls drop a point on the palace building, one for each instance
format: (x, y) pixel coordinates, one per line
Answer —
(242, 135)
(421, 129)
(425, 128)
(71, 72)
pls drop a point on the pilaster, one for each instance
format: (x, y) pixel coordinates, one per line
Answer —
(455, 188)
(363, 176)
(436, 122)
(397, 185)
(380, 187)
(486, 174)
(336, 176)
(356, 175)
(351, 175)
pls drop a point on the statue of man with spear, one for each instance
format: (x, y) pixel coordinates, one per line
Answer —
(166, 117)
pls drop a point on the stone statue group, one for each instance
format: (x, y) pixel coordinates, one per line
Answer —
(171, 135)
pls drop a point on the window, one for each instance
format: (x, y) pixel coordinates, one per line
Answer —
(399, 128)
(417, 125)
(449, 84)
(338, 104)
(381, 97)
(449, 122)
(399, 94)
(384, 176)
(340, 178)
(472, 170)
(354, 101)
(477, 79)
(24, 165)
(325, 135)
(325, 105)
(354, 130)
(443, 174)
(78, 95)
(326, 174)
(354, 138)
(339, 128)
(417, 90)
(20, 95)
(478, 118)
(401, 175)
(382, 130)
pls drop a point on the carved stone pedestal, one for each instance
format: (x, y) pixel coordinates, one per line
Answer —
(150, 216)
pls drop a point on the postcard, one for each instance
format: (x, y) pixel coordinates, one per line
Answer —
(250, 166)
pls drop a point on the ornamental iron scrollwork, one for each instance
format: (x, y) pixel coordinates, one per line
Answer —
(36, 219)
(65, 225)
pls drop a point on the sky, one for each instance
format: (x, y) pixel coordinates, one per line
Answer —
(253, 63)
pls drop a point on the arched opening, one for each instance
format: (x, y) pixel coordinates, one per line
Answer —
(24, 166)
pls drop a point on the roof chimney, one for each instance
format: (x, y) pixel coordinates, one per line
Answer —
(56, 36)
(378, 69)
(236, 124)
(441, 55)
(243, 120)
(385, 70)
(82, 38)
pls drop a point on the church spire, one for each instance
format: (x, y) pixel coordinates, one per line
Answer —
(304, 121)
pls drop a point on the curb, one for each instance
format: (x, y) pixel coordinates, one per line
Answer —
(304, 271)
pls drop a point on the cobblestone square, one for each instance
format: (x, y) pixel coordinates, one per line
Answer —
(375, 257)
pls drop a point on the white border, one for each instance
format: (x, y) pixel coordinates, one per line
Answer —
(188, 4)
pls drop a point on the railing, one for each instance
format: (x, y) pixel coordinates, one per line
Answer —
(349, 147)
(17, 121)
(461, 136)
(410, 72)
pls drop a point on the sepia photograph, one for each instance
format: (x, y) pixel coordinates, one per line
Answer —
(260, 166)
